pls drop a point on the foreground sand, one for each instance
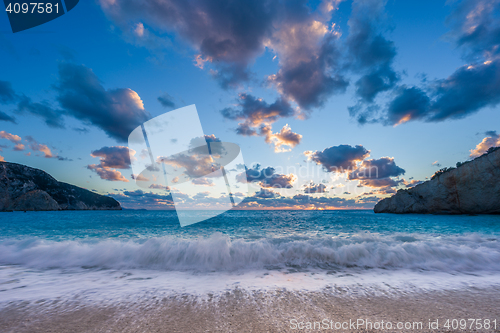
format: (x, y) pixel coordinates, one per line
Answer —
(254, 311)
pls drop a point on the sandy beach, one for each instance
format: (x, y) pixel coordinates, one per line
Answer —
(253, 311)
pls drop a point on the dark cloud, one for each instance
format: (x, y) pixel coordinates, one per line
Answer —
(338, 158)
(141, 199)
(81, 94)
(52, 117)
(229, 33)
(466, 91)
(469, 89)
(167, 101)
(315, 188)
(409, 103)
(379, 182)
(267, 177)
(475, 29)
(7, 94)
(384, 167)
(265, 193)
(309, 82)
(113, 157)
(6, 117)
(253, 112)
(231, 76)
(369, 52)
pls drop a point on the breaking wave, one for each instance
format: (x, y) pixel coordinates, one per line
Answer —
(218, 252)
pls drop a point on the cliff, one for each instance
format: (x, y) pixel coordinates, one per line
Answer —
(472, 188)
(25, 188)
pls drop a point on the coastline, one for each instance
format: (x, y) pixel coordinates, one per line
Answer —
(237, 310)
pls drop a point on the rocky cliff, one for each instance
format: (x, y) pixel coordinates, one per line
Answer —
(472, 188)
(25, 188)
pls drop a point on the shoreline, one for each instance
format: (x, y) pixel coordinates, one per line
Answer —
(239, 310)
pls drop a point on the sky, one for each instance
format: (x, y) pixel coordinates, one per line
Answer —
(315, 93)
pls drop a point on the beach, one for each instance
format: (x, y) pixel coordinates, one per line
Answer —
(272, 311)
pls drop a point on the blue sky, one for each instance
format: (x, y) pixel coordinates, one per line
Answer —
(436, 64)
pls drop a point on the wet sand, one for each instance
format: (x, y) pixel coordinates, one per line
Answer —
(255, 311)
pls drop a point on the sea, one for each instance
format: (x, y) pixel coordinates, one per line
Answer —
(113, 256)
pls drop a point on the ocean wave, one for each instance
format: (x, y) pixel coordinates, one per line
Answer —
(218, 252)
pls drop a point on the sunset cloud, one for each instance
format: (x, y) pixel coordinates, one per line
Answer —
(492, 140)
(11, 137)
(107, 173)
(112, 158)
(282, 139)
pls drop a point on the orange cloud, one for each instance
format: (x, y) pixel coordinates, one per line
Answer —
(483, 146)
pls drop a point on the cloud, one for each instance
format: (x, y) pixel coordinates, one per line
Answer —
(436, 164)
(19, 147)
(284, 138)
(379, 182)
(211, 138)
(253, 112)
(117, 111)
(140, 199)
(308, 55)
(265, 193)
(301, 201)
(338, 158)
(267, 177)
(32, 143)
(11, 137)
(193, 165)
(228, 33)
(279, 181)
(475, 29)
(159, 187)
(114, 157)
(6, 117)
(7, 94)
(315, 188)
(107, 173)
(2, 159)
(369, 52)
(203, 181)
(384, 167)
(53, 118)
(492, 140)
(35, 146)
(167, 101)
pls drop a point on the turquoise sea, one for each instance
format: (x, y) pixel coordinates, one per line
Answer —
(109, 254)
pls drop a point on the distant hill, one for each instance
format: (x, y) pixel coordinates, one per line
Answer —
(25, 188)
(471, 188)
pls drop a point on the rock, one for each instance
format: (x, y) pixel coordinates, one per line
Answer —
(472, 188)
(25, 188)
